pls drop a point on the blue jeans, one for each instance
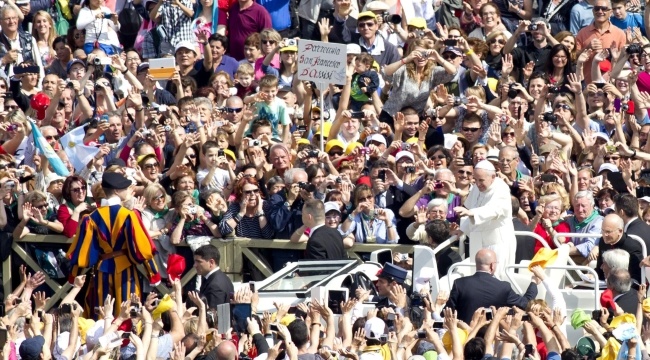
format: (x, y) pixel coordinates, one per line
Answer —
(108, 49)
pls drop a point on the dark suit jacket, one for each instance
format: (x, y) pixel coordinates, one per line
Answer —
(525, 244)
(395, 198)
(631, 246)
(639, 228)
(325, 244)
(628, 302)
(483, 290)
(217, 289)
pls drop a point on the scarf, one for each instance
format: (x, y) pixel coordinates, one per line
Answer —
(160, 214)
(585, 222)
(189, 224)
(195, 196)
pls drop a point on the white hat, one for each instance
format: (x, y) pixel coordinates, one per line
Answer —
(602, 135)
(376, 137)
(353, 49)
(332, 206)
(185, 44)
(493, 155)
(402, 154)
(53, 177)
(375, 328)
(94, 333)
(485, 165)
(607, 166)
(376, 5)
(645, 198)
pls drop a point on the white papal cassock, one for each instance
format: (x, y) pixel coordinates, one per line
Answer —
(491, 226)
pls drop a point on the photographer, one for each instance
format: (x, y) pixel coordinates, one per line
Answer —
(369, 222)
(101, 26)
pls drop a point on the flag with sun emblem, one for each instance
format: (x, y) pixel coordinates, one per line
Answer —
(45, 149)
(78, 153)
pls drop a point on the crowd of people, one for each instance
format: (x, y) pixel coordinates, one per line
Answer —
(457, 118)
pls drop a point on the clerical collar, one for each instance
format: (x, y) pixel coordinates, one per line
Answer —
(212, 272)
(115, 200)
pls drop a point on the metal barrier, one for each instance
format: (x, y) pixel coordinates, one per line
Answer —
(565, 267)
(533, 235)
(570, 260)
(232, 250)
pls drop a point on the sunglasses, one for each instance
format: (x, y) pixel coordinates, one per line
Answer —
(601, 8)
(42, 207)
(464, 172)
(50, 137)
(78, 190)
(159, 197)
(192, 156)
(251, 192)
(11, 107)
(438, 157)
(335, 153)
(468, 129)
(449, 56)
(269, 42)
(500, 41)
(508, 134)
(8, 165)
(151, 166)
(233, 110)
(366, 24)
(562, 106)
(607, 158)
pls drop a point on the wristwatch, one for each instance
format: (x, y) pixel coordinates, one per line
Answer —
(286, 203)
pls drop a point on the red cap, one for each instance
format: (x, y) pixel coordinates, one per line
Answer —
(605, 66)
(175, 266)
(364, 180)
(40, 103)
(607, 299)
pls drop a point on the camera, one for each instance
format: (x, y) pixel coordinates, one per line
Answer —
(388, 18)
(69, 85)
(192, 210)
(410, 169)
(624, 106)
(107, 15)
(450, 42)
(339, 180)
(312, 154)
(307, 186)
(458, 101)
(146, 132)
(512, 92)
(420, 33)
(168, 128)
(554, 89)
(422, 334)
(381, 175)
(633, 49)
(220, 153)
(406, 146)
(290, 42)
(375, 129)
(532, 27)
(364, 151)
(432, 112)
(438, 185)
(253, 142)
(10, 184)
(550, 117)
(134, 311)
(20, 173)
(356, 114)
(12, 127)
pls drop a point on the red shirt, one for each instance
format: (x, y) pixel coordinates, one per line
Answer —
(562, 227)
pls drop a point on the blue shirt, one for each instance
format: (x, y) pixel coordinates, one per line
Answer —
(631, 21)
(229, 65)
(279, 11)
(584, 245)
(361, 228)
(581, 16)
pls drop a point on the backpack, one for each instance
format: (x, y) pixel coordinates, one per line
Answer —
(130, 20)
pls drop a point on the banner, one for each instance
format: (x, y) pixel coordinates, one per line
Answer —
(46, 150)
(322, 63)
(78, 153)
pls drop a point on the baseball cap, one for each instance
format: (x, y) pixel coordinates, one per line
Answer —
(418, 22)
(645, 198)
(367, 14)
(376, 5)
(332, 206)
(375, 328)
(607, 166)
(185, 44)
(452, 49)
(74, 61)
(143, 67)
(602, 135)
(332, 143)
(353, 49)
(586, 346)
(376, 137)
(289, 48)
(31, 348)
(404, 154)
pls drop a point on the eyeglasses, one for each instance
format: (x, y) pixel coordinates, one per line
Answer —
(159, 197)
(608, 158)
(233, 110)
(464, 172)
(13, 18)
(563, 107)
(41, 207)
(500, 41)
(191, 156)
(506, 160)
(78, 190)
(508, 134)
(468, 129)
(559, 57)
(50, 137)
(151, 165)
(79, 36)
(251, 192)
(367, 198)
(269, 42)
(333, 217)
(132, 58)
(366, 24)
(11, 107)
(601, 8)
(449, 56)
(335, 153)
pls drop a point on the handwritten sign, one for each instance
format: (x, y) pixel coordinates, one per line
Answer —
(322, 63)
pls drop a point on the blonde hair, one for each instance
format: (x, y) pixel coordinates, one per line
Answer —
(152, 190)
(477, 91)
(410, 67)
(271, 35)
(245, 69)
(548, 188)
(51, 36)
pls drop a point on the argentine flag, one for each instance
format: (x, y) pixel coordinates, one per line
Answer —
(44, 147)
(78, 153)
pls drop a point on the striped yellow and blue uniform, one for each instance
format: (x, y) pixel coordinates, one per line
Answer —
(107, 230)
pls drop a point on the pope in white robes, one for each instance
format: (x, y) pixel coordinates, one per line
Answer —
(486, 217)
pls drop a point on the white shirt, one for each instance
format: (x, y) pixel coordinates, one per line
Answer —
(627, 224)
(115, 200)
(212, 272)
(311, 230)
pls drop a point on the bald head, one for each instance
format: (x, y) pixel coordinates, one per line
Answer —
(226, 350)
(614, 221)
(612, 229)
(485, 260)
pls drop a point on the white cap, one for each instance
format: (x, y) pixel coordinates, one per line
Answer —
(485, 165)
(493, 155)
(376, 5)
(607, 166)
(645, 198)
(185, 44)
(402, 154)
(353, 49)
(376, 137)
(332, 206)
(375, 328)
(602, 135)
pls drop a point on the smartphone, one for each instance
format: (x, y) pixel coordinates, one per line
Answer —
(390, 321)
(451, 42)
(599, 85)
(274, 327)
(221, 153)
(488, 314)
(126, 335)
(422, 334)
(240, 314)
(302, 128)
(251, 285)
(18, 301)
(33, 69)
(382, 175)
(548, 178)
(529, 350)
(3, 337)
(356, 114)
(334, 299)
(96, 309)
(438, 325)
(596, 314)
(526, 317)
(383, 338)
(65, 309)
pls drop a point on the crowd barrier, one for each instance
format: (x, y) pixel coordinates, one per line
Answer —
(233, 251)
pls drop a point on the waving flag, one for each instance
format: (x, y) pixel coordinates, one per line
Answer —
(44, 147)
(78, 153)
